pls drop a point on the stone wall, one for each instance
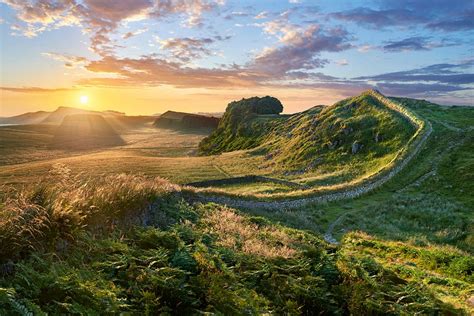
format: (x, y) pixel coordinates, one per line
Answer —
(405, 155)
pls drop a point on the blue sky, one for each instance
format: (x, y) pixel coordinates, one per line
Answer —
(307, 52)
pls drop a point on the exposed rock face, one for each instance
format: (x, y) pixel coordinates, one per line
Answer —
(377, 137)
(356, 147)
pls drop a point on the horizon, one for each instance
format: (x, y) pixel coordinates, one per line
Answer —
(145, 57)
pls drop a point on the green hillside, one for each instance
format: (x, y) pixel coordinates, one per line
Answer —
(85, 247)
(323, 146)
(244, 125)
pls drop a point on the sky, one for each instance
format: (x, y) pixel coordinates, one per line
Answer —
(149, 56)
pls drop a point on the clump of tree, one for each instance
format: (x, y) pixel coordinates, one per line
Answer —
(265, 105)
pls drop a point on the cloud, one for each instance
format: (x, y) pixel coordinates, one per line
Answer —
(301, 49)
(134, 33)
(463, 23)
(379, 18)
(187, 48)
(153, 71)
(453, 74)
(100, 17)
(448, 16)
(261, 15)
(365, 48)
(35, 89)
(39, 16)
(69, 60)
(417, 43)
(342, 62)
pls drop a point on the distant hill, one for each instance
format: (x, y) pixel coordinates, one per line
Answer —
(124, 122)
(26, 118)
(358, 128)
(80, 131)
(57, 116)
(178, 120)
(118, 120)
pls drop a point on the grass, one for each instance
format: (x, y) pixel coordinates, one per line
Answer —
(78, 236)
(138, 248)
(172, 155)
(426, 204)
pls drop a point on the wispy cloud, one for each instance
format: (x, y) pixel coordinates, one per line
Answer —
(69, 60)
(417, 43)
(134, 33)
(35, 89)
(449, 16)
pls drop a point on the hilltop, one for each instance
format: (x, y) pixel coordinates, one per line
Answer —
(243, 125)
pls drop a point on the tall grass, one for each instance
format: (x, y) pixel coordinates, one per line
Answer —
(48, 214)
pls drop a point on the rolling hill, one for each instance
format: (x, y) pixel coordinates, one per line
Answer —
(26, 118)
(79, 131)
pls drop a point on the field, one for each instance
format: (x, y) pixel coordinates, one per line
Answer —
(93, 230)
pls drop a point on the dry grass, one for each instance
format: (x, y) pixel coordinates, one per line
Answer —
(42, 215)
(236, 232)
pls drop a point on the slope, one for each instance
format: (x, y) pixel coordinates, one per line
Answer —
(80, 131)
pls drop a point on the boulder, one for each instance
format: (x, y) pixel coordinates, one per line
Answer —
(356, 147)
(377, 137)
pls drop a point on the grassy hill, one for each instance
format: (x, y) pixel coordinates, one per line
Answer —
(355, 129)
(79, 131)
(322, 147)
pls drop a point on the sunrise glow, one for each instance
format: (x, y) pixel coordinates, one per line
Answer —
(84, 99)
(145, 57)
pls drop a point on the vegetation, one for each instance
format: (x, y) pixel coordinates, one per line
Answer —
(85, 247)
(88, 239)
(241, 126)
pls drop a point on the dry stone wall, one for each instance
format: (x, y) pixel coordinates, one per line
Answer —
(405, 155)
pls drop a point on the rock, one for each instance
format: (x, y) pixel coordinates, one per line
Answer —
(377, 137)
(356, 147)
(347, 130)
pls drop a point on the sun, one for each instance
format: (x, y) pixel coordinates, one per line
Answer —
(84, 99)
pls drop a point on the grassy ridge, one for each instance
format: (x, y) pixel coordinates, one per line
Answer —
(86, 248)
